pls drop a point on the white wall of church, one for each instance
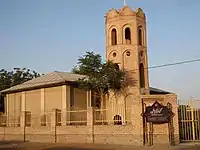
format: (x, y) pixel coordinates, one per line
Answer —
(53, 98)
(14, 104)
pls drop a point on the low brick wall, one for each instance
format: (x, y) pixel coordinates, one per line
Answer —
(113, 134)
(102, 134)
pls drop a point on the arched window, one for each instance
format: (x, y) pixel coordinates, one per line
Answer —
(114, 37)
(142, 79)
(117, 120)
(140, 36)
(128, 36)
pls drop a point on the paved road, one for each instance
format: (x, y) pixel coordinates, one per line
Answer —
(41, 146)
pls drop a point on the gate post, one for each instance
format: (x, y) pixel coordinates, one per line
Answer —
(193, 120)
(150, 134)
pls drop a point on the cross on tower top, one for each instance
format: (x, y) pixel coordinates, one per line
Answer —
(124, 2)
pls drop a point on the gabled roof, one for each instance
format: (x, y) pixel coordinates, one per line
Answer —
(55, 78)
(51, 78)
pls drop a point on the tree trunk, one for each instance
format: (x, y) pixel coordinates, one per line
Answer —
(102, 103)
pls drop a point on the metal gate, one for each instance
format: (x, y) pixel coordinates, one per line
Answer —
(189, 122)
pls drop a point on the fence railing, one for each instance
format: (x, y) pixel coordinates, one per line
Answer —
(11, 121)
(35, 120)
(29, 125)
(76, 117)
(66, 118)
(100, 117)
(105, 116)
(60, 118)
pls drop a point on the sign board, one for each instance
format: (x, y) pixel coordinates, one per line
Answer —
(157, 113)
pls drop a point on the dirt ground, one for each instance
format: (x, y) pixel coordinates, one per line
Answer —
(41, 146)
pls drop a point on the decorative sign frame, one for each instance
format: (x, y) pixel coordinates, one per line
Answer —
(158, 114)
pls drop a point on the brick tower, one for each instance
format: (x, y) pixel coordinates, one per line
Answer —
(126, 45)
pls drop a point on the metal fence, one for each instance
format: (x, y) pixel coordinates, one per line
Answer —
(54, 124)
(189, 121)
(28, 123)
(106, 116)
(76, 117)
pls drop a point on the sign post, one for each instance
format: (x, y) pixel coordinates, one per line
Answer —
(158, 114)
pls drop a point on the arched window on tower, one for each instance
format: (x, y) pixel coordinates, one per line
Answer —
(142, 78)
(140, 36)
(128, 36)
(114, 37)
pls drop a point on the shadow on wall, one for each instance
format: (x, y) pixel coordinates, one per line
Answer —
(2, 104)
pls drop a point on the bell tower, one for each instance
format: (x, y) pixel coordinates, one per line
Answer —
(126, 45)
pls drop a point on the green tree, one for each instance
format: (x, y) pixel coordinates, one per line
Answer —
(5, 79)
(12, 78)
(99, 77)
(15, 77)
(21, 75)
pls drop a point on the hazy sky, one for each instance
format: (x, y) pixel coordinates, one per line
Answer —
(50, 35)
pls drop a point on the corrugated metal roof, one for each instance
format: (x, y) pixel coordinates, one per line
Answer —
(155, 90)
(44, 80)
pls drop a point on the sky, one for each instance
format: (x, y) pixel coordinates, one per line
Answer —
(50, 35)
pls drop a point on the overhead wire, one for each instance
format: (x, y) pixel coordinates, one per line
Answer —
(173, 64)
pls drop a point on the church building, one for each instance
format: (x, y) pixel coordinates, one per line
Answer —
(141, 115)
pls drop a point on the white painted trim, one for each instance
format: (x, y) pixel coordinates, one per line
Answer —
(89, 98)
(64, 97)
(42, 98)
(7, 104)
(64, 104)
(23, 104)
(68, 103)
(68, 98)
